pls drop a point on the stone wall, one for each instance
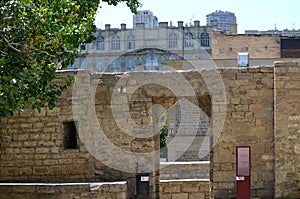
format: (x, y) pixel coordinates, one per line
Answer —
(184, 170)
(184, 189)
(259, 46)
(32, 144)
(116, 190)
(287, 136)
(249, 122)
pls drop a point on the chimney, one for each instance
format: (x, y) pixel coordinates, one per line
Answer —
(123, 26)
(139, 25)
(163, 24)
(233, 28)
(180, 24)
(197, 23)
(107, 26)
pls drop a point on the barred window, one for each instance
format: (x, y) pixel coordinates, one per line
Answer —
(204, 39)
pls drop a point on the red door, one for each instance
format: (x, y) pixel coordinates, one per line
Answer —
(243, 172)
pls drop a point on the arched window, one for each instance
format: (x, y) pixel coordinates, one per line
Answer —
(152, 62)
(130, 42)
(130, 64)
(204, 39)
(172, 41)
(99, 66)
(115, 43)
(173, 57)
(115, 66)
(100, 43)
(82, 63)
(188, 40)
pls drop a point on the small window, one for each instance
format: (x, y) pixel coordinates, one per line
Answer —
(83, 47)
(70, 135)
(130, 42)
(82, 63)
(99, 66)
(130, 65)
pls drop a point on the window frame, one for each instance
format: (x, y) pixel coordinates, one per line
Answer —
(188, 40)
(173, 41)
(100, 43)
(115, 43)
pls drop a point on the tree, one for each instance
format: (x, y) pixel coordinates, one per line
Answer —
(36, 37)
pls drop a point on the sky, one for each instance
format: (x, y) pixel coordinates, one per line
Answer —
(250, 14)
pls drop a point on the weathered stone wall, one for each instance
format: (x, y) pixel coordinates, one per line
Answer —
(184, 170)
(287, 136)
(184, 189)
(249, 122)
(116, 190)
(259, 46)
(32, 148)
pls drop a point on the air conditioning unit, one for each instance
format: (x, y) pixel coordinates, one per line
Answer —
(243, 59)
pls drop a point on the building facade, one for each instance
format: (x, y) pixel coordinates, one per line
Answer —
(227, 46)
(146, 17)
(224, 19)
(142, 48)
(279, 32)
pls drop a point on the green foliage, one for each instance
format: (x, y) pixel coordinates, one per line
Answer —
(163, 140)
(36, 37)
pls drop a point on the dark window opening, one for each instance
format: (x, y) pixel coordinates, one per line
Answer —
(70, 135)
(83, 47)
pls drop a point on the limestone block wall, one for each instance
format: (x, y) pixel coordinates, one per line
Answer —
(259, 46)
(32, 144)
(249, 122)
(184, 170)
(64, 190)
(184, 189)
(287, 136)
